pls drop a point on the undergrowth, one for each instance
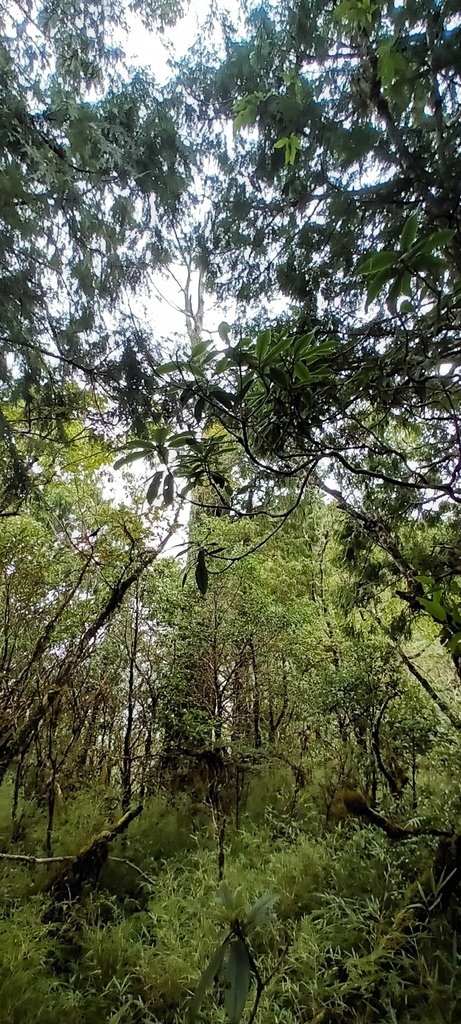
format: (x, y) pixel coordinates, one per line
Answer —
(133, 948)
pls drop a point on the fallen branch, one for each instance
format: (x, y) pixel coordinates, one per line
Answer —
(87, 864)
(24, 858)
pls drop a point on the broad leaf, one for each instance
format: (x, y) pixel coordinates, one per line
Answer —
(201, 572)
(378, 261)
(436, 240)
(154, 486)
(278, 377)
(181, 439)
(263, 344)
(222, 396)
(218, 479)
(199, 409)
(207, 980)
(127, 459)
(377, 284)
(168, 489)
(166, 368)
(409, 232)
(224, 330)
(302, 373)
(238, 977)
(261, 909)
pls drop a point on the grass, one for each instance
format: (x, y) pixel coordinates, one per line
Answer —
(131, 951)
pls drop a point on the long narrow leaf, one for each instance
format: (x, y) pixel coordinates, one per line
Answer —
(238, 976)
(207, 980)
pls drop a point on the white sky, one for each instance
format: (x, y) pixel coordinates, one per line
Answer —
(150, 49)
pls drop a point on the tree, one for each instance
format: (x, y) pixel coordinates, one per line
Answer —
(347, 201)
(92, 171)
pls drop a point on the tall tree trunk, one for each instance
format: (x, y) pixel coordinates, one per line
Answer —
(127, 768)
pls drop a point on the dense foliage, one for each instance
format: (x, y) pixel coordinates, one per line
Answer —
(230, 642)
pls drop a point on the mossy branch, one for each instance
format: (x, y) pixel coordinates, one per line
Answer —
(87, 864)
(357, 806)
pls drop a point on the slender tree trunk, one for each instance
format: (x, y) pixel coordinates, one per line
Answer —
(256, 700)
(127, 769)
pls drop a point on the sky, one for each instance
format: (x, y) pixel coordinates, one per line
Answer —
(150, 49)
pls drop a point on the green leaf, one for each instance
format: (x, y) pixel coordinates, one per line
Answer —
(168, 489)
(154, 486)
(325, 349)
(378, 261)
(392, 64)
(317, 375)
(406, 284)
(238, 981)
(222, 396)
(181, 439)
(436, 240)
(395, 292)
(160, 434)
(222, 364)
(291, 144)
(294, 145)
(427, 263)
(199, 409)
(409, 232)
(201, 572)
(454, 643)
(199, 350)
(166, 368)
(302, 372)
(263, 344)
(304, 345)
(207, 980)
(138, 443)
(224, 331)
(225, 897)
(127, 459)
(278, 377)
(434, 608)
(376, 285)
(282, 345)
(247, 380)
(245, 113)
(185, 397)
(261, 909)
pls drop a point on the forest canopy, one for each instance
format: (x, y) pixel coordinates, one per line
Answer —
(230, 641)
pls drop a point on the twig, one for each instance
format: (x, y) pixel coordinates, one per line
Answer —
(24, 858)
(123, 860)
